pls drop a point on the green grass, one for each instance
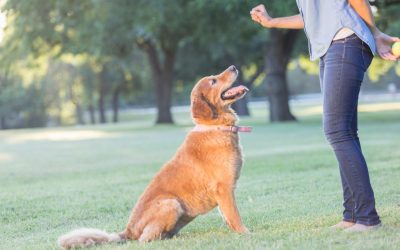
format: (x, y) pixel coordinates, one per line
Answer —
(55, 180)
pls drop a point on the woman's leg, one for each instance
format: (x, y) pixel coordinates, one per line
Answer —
(348, 201)
(344, 67)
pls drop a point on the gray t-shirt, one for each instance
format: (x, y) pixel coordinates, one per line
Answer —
(324, 18)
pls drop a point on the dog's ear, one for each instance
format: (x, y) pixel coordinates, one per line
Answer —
(202, 108)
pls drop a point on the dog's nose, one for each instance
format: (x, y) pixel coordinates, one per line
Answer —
(232, 68)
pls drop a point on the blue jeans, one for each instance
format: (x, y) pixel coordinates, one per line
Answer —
(342, 71)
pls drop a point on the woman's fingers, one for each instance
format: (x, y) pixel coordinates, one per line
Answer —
(382, 54)
(255, 13)
(255, 18)
(391, 57)
(395, 39)
(259, 8)
(387, 56)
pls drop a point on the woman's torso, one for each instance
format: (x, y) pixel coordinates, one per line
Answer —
(323, 19)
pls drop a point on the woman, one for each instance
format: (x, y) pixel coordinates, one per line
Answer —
(343, 35)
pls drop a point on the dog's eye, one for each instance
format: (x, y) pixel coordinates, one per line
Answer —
(213, 81)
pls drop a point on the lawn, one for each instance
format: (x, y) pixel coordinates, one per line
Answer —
(55, 180)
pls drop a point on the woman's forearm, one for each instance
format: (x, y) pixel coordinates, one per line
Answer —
(363, 9)
(260, 15)
(290, 22)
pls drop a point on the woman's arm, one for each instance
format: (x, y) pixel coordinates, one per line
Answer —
(383, 41)
(260, 15)
(363, 9)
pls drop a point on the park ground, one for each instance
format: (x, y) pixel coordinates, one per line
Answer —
(55, 180)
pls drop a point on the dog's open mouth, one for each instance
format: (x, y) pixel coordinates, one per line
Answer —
(234, 92)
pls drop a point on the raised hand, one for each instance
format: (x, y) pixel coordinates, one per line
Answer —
(260, 15)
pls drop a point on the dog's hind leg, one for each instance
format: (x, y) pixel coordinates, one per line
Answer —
(165, 215)
(152, 231)
(182, 222)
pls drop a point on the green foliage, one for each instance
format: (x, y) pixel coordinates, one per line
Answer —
(83, 37)
(379, 68)
(388, 16)
(311, 67)
(97, 37)
(397, 69)
(21, 106)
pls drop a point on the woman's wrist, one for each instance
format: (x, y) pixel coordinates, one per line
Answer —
(267, 22)
(375, 31)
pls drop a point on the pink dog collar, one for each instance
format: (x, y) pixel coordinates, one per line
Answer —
(233, 129)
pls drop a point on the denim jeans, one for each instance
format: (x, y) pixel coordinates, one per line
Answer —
(342, 71)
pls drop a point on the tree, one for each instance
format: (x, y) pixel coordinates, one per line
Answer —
(70, 27)
(279, 50)
(280, 47)
(20, 106)
(161, 38)
(215, 42)
(113, 45)
(233, 38)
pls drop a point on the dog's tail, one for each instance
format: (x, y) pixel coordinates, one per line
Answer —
(86, 237)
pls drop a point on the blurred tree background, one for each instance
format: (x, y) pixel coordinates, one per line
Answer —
(66, 62)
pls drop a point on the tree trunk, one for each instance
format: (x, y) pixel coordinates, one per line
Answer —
(79, 114)
(164, 90)
(102, 109)
(102, 96)
(163, 78)
(240, 106)
(92, 114)
(3, 123)
(278, 97)
(78, 108)
(278, 54)
(115, 103)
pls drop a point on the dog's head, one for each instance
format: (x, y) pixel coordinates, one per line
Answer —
(212, 96)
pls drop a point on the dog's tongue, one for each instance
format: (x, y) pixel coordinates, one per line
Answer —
(233, 92)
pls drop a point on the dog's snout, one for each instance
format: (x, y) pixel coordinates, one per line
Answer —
(233, 68)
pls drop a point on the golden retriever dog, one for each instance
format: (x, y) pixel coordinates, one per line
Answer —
(201, 175)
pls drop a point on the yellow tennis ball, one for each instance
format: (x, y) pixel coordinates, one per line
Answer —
(396, 48)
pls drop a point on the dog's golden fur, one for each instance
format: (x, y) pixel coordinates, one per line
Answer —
(201, 175)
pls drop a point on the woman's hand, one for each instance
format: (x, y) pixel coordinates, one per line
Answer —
(384, 45)
(260, 15)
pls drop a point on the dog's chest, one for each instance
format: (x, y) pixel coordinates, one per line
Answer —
(215, 159)
(226, 160)
(216, 154)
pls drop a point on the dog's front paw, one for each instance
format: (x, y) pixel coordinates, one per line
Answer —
(243, 230)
